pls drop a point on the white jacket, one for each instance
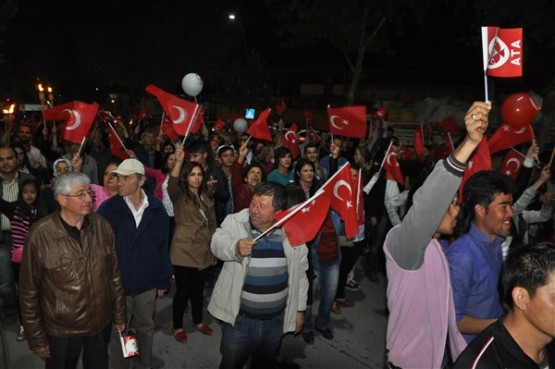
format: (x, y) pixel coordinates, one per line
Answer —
(226, 297)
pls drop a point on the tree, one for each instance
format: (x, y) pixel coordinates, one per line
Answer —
(354, 27)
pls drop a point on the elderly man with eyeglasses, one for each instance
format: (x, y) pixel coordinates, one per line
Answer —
(71, 288)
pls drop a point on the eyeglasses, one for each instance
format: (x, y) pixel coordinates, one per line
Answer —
(82, 195)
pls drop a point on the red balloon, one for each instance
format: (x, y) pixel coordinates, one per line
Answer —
(519, 110)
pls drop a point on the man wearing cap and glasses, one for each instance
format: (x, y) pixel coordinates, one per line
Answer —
(71, 289)
(141, 226)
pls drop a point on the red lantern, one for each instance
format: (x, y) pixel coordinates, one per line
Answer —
(519, 110)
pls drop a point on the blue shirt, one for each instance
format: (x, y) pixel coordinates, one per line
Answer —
(475, 267)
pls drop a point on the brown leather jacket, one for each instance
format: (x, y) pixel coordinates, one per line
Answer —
(67, 289)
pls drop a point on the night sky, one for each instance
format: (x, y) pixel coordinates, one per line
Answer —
(442, 51)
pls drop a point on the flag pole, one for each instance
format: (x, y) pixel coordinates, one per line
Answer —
(385, 156)
(162, 123)
(81, 146)
(117, 136)
(359, 184)
(290, 215)
(193, 120)
(450, 141)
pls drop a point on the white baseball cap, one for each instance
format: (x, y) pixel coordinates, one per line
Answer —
(129, 166)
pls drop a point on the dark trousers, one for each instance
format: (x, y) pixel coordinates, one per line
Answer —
(189, 283)
(65, 351)
(349, 257)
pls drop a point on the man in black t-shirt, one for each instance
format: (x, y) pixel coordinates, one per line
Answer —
(523, 338)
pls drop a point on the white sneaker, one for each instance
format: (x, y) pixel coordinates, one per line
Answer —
(21, 335)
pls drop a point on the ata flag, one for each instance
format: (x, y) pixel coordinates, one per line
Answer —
(502, 51)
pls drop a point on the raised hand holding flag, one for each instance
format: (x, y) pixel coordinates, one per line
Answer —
(259, 129)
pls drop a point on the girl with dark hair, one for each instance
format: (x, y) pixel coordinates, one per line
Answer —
(22, 213)
(305, 172)
(195, 222)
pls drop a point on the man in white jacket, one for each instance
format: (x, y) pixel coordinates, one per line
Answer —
(262, 289)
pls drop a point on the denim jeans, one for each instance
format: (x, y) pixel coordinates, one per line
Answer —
(251, 337)
(7, 279)
(327, 276)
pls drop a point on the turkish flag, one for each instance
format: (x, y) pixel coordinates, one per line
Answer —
(480, 160)
(259, 129)
(392, 168)
(58, 112)
(116, 146)
(143, 113)
(442, 151)
(404, 152)
(507, 136)
(512, 162)
(348, 121)
(305, 224)
(219, 125)
(308, 116)
(342, 192)
(502, 51)
(289, 140)
(184, 114)
(78, 117)
(419, 146)
(167, 129)
(313, 137)
(281, 108)
(448, 125)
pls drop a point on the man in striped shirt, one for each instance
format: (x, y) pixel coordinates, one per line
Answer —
(262, 289)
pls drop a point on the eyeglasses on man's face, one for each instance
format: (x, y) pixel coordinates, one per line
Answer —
(81, 195)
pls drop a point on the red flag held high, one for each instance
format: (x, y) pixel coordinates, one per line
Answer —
(480, 160)
(219, 126)
(392, 168)
(502, 51)
(259, 129)
(348, 121)
(289, 140)
(184, 114)
(448, 125)
(116, 147)
(343, 193)
(143, 113)
(419, 146)
(281, 108)
(507, 136)
(313, 137)
(304, 226)
(167, 129)
(404, 153)
(512, 162)
(78, 117)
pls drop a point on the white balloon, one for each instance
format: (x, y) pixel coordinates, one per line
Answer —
(240, 125)
(192, 84)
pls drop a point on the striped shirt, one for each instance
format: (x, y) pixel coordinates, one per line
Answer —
(10, 190)
(265, 289)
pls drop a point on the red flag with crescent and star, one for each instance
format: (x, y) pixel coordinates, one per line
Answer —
(392, 168)
(289, 140)
(167, 129)
(343, 200)
(511, 164)
(184, 114)
(116, 146)
(419, 146)
(480, 160)
(502, 51)
(305, 224)
(219, 125)
(259, 129)
(507, 136)
(78, 117)
(348, 121)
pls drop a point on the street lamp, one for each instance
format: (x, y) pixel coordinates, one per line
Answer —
(234, 18)
(50, 96)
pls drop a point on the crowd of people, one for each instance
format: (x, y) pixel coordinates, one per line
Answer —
(89, 242)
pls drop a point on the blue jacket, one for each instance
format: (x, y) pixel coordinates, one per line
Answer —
(143, 252)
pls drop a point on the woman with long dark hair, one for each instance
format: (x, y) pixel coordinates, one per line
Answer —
(195, 222)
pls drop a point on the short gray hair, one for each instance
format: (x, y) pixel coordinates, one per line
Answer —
(64, 183)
